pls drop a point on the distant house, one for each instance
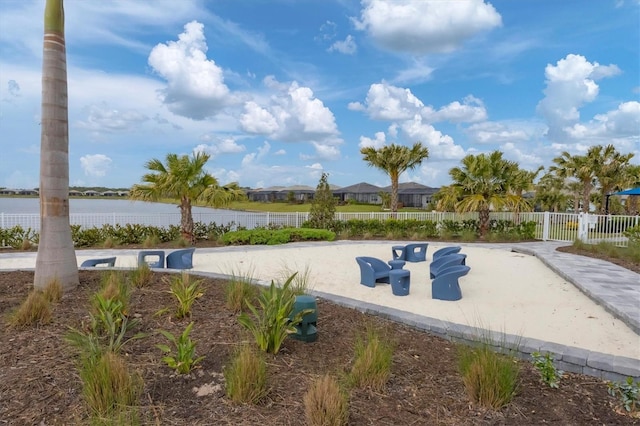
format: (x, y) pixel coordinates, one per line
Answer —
(91, 193)
(299, 192)
(265, 195)
(412, 194)
(75, 193)
(109, 194)
(360, 192)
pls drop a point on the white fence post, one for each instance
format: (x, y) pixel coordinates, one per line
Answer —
(583, 226)
(546, 226)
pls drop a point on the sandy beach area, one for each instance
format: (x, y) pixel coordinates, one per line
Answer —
(505, 291)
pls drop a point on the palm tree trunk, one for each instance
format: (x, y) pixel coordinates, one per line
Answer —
(394, 193)
(56, 259)
(586, 192)
(186, 221)
(483, 216)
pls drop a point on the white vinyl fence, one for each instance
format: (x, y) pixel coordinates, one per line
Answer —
(550, 226)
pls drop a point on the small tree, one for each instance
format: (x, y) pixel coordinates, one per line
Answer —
(323, 209)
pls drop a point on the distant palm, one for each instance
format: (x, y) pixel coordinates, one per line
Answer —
(580, 167)
(394, 160)
(609, 171)
(484, 182)
(550, 193)
(183, 179)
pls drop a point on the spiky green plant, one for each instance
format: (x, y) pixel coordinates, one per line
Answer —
(184, 359)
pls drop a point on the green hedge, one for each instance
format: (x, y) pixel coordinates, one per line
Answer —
(276, 236)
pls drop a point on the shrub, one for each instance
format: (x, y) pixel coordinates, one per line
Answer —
(633, 234)
(238, 289)
(246, 376)
(548, 372)
(628, 393)
(372, 362)
(35, 310)
(271, 324)
(490, 379)
(184, 359)
(323, 207)
(186, 292)
(276, 236)
(325, 404)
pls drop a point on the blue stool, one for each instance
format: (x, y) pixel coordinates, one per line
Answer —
(396, 264)
(400, 281)
(158, 254)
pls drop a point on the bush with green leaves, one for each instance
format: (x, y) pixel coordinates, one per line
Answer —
(633, 234)
(16, 236)
(262, 236)
(628, 393)
(270, 325)
(549, 374)
(184, 359)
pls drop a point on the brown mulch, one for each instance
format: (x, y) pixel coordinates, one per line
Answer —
(39, 382)
(632, 266)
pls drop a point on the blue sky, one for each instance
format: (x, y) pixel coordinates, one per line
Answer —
(278, 91)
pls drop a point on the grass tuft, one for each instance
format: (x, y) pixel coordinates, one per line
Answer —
(34, 311)
(372, 364)
(325, 403)
(53, 291)
(246, 376)
(238, 289)
(141, 276)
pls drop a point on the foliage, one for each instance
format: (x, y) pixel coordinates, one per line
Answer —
(110, 325)
(300, 283)
(279, 236)
(631, 253)
(53, 291)
(548, 372)
(184, 179)
(34, 311)
(627, 392)
(323, 207)
(633, 234)
(141, 276)
(238, 289)
(246, 376)
(184, 359)
(185, 292)
(16, 236)
(325, 404)
(372, 363)
(394, 160)
(271, 324)
(491, 379)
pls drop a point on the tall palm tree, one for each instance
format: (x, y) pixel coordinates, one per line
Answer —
(56, 259)
(550, 193)
(609, 171)
(580, 167)
(394, 160)
(520, 182)
(483, 182)
(184, 179)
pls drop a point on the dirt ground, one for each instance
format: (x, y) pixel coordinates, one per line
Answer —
(40, 385)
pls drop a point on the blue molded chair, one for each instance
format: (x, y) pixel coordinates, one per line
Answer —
(398, 252)
(372, 271)
(157, 254)
(444, 251)
(181, 259)
(444, 261)
(416, 252)
(90, 263)
(446, 286)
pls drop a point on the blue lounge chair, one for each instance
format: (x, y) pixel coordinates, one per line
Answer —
(156, 255)
(444, 251)
(372, 271)
(446, 286)
(444, 261)
(416, 252)
(181, 259)
(91, 263)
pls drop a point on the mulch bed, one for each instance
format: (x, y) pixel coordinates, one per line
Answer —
(39, 383)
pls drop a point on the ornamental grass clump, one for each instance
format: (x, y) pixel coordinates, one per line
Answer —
(238, 289)
(372, 363)
(490, 379)
(186, 292)
(34, 311)
(325, 403)
(141, 276)
(246, 376)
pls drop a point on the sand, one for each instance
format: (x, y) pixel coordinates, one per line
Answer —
(504, 291)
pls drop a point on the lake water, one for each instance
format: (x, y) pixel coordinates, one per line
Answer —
(84, 205)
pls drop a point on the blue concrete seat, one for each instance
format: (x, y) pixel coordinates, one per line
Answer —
(181, 259)
(153, 258)
(446, 286)
(372, 271)
(445, 261)
(400, 281)
(444, 251)
(91, 263)
(416, 252)
(398, 252)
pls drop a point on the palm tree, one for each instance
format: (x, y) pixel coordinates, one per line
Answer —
(609, 170)
(394, 160)
(183, 179)
(580, 167)
(520, 182)
(550, 195)
(484, 182)
(631, 179)
(56, 259)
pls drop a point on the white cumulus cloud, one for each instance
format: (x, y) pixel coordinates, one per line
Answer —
(96, 165)
(425, 26)
(347, 46)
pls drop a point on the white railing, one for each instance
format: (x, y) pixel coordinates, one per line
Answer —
(549, 226)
